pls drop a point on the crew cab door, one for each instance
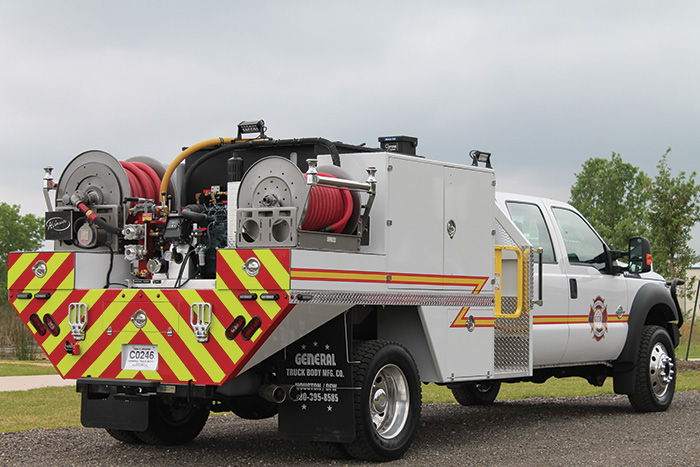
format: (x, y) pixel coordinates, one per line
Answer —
(550, 321)
(598, 308)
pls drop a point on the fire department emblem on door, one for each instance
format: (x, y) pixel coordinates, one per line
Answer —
(598, 318)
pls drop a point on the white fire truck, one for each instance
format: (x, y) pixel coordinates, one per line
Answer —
(323, 282)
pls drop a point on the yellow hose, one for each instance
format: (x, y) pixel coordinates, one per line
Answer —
(191, 150)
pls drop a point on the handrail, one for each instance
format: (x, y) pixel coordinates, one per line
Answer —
(497, 288)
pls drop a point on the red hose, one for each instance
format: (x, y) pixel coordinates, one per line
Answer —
(329, 208)
(143, 180)
(155, 179)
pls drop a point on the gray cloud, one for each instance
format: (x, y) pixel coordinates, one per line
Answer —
(543, 85)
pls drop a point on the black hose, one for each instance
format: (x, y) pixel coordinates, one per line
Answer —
(182, 267)
(198, 217)
(103, 224)
(335, 155)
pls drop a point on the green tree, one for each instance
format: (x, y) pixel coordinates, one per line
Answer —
(613, 195)
(674, 210)
(17, 232)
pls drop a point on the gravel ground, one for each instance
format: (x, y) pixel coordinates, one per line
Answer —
(596, 430)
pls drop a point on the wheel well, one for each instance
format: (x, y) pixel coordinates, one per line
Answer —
(661, 315)
(400, 324)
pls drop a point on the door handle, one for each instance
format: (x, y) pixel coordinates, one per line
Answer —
(573, 288)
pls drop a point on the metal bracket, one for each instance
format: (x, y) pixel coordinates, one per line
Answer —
(77, 320)
(200, 319)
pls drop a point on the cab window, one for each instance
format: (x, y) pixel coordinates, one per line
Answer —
(583, 246)
(528, 218)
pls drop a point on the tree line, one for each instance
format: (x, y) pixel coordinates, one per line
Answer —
(621, 201)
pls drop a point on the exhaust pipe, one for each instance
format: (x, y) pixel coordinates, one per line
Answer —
(272, 393)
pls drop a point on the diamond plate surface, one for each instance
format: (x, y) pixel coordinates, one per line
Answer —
(378, 298)
(512, 335)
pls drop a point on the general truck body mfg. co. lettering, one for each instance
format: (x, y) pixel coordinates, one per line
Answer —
(323, 282)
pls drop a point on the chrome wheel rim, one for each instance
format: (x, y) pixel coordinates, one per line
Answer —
(661, 370)
(389, 401)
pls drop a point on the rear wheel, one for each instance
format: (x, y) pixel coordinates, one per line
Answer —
(476, 393)
(655, 375)
(173, 421)
(388, 403)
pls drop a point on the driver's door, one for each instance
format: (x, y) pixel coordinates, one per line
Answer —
(598, 308)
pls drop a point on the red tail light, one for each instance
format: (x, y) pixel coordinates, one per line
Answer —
(250, 329)
(38, 325)
(51, 325)
(235, 327)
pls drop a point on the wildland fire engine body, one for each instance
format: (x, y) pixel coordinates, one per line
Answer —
(324, 286)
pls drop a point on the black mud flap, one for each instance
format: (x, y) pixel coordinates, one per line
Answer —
(115, 411)
(319, 374)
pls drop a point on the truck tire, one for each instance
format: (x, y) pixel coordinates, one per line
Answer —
(476, 393)
(173, 422)
(125, 436)
(388, 403)
(655, 373)
(253, 407)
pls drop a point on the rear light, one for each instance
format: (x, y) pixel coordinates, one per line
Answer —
(248, 296)
(250, 329)
(235, 327)
(51, 325)
(270, 296)
(43, 295)
(38, 325)
(24, 295)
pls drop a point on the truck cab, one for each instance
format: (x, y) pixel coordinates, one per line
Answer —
(594, 306)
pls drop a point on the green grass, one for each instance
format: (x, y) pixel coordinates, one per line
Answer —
(694, 345)
(39, 408)
(23, 368)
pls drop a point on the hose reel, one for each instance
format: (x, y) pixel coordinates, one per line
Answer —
(278, 205)
(96, 184)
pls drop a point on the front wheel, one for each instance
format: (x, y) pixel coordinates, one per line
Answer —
(655, 374)
(476, 393)
(388, 403)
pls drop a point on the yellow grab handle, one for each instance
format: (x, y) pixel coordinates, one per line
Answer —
(499, 270)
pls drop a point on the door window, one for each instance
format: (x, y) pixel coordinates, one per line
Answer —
(583, 246)
(528, 218)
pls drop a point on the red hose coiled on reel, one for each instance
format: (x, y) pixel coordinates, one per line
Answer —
(329, 208)
(144, 181)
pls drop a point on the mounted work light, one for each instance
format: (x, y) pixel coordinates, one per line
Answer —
(252, 127)
(480, 156)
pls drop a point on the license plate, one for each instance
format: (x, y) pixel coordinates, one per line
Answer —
(139, 357)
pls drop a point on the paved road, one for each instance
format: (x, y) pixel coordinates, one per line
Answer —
(22, 383)
(596, 430)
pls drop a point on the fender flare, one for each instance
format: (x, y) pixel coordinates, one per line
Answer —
(665, 313)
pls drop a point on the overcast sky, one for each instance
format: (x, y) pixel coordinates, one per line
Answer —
(543, 85)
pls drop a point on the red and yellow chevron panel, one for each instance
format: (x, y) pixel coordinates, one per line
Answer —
(109, 326)
(60, 271)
